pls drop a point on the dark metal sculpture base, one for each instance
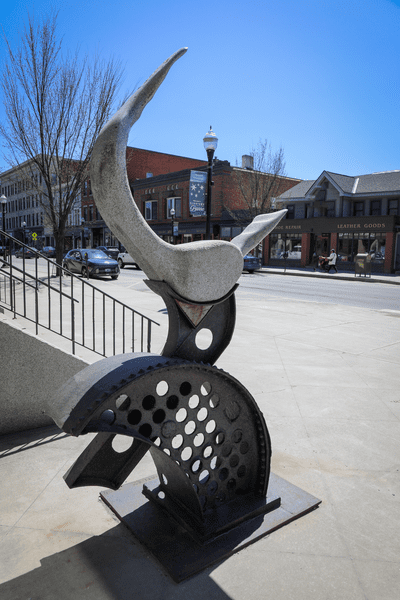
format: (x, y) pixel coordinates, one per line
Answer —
(177, 552)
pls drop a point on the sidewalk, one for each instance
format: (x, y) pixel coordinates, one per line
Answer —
(344, 275)
(327, 380)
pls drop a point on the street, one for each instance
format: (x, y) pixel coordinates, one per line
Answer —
(264, 286)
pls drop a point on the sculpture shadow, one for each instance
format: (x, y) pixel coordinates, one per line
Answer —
(110, 566)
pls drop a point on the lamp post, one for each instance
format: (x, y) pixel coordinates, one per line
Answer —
(172, 213)
(210, 142)
(23, 229)
(82, 232)
(3, 200)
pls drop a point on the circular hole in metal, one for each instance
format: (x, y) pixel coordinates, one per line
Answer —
(223, 474)
(177, 441)
(215, 462)
(190, 427)
(220, 438)
(244, 448)
(186, 453)
(194, 401)
(134, 417)
(167, 451)
(214, 401)
(210, 426)
(172, 402)
(108, 416)
(202, 414)
(198, 439)
(204, 476)
(159, 416)
(204, 339)
(212, 488)
(164, 479)
(122, 402)
(232, 410)
(241, 472)
(237, 436)
(205, 388)
(226, 450)
(161, 495)
(208, 450)
(121, 443)
(196, 466)
(234, 460)
(185, 388)
(162, 388)
(157, 441)
(231, 484)
(181, 415)
(168, 429)
(145, 430)
(149, 402)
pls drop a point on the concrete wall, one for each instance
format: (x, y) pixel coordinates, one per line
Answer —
(31, 371)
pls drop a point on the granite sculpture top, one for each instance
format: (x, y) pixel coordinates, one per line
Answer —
(199, 271)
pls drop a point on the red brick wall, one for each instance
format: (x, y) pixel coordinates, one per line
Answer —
(140, 162)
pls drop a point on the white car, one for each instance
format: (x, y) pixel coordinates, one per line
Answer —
(126, 259)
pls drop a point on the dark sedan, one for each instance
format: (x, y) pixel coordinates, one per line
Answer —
(26, 252)
(251, 263)
(91, 263)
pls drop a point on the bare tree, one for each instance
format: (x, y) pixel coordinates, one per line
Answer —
(55, 107)
(258, 184)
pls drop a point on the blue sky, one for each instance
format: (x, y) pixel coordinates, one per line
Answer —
(321, 79)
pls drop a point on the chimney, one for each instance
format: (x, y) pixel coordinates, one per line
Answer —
(247, 162)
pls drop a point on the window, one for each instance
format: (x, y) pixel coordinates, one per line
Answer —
(393, 207)
(330, 208)
(150, 210)
(375, 207)
(149, 175)
(176, 204)
(358, 209)
(290, 211)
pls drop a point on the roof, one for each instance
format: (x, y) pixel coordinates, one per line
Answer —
(386, 182)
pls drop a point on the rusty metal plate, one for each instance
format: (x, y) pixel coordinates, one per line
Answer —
(172, 546)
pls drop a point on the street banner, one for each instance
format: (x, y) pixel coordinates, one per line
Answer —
(197, 193)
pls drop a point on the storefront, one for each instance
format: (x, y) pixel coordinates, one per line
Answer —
(296, 240)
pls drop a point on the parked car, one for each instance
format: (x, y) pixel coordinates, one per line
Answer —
(27, 252)
(126, 259)
(111, 251)
(92, 262)
(49, 251)
(251, 263)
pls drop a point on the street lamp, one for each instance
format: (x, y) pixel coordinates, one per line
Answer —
(3, 200)
(210, 142)
(23, 229)
(172, 213)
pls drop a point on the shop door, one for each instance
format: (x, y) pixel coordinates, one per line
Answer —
(322, 244)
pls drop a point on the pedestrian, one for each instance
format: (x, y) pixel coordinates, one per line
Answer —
(332, 261)
(314, 261)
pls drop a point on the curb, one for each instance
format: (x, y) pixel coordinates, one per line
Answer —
(316, 275)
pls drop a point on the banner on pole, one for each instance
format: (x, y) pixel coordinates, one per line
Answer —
(197, 193)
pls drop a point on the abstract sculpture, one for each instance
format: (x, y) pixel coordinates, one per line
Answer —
(205, 432)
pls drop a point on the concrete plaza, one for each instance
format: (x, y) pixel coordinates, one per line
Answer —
(327, 379)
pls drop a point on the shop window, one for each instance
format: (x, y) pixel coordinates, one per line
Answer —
(176, 204)
(375, 208)
(358, 209)
(290, 211)
(393, 207)
(150, 210)
(285, 246)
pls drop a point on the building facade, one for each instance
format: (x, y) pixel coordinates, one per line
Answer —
(353, 215)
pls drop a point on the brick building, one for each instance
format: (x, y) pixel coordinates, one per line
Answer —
(141, 165)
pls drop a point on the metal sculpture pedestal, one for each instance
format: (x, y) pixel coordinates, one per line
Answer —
(180, 555)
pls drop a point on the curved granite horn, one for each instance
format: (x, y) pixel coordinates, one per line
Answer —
(199, 271)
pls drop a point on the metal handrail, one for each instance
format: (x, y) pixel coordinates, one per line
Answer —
(71, 306)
